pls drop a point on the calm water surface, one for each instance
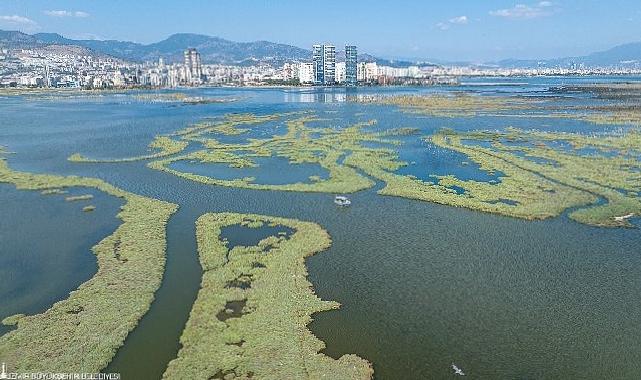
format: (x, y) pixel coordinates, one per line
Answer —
(422, 286)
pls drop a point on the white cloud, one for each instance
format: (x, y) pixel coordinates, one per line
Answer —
(79, 14)
(460, 20)
(523, 11)
(18, 21)
(15, 19)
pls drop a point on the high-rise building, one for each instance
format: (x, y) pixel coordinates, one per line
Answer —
(193, 66)
(329, 61)
(324, 60)
(319, 65)
(351, 66)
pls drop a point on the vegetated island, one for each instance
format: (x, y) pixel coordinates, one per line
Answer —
(459, 104)
(598, 176)
(300, 144)
(82, 333)
(611, 104)
(251, 314)
(355, 156)
(181, 97)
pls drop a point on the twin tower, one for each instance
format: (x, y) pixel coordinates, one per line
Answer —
(324, 61)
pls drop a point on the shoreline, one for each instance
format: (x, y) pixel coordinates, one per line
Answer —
(9, 91)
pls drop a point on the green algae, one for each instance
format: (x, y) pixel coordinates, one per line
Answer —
(623, 106)
(172, 97)
(52, 192)
(251, 314)
(165, 146)
(83, 332)
(74, 198)
(458, 105)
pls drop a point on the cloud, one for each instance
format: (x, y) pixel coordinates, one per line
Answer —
(522, 11)
(18, 21)
(79, 14)
(460, 20)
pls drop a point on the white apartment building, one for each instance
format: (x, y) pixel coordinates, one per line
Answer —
(341, 72)
(306, 72)
(290, 71)
(367, 71)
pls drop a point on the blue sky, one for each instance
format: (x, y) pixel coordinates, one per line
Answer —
(451, 30)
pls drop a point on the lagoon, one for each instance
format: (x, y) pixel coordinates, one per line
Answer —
(421, 285)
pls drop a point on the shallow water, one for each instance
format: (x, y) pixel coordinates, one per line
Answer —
(45, 245)
(270, 171)
(422, 286)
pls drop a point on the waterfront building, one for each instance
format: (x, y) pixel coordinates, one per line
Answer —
(289, 71)
(306, 73)
(351, 65)
(319, 65)
(324, 60)
(193, 67)
(329, 61)
(340, 72)
(360, 72)
(371, 71)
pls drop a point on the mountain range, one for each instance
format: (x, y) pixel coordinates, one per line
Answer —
(222, 51)
(622, 55)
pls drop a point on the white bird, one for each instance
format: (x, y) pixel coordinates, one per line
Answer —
(457, 370)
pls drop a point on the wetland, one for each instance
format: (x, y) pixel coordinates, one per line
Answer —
(496, 231)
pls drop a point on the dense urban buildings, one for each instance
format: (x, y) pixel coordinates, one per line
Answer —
(64, 67)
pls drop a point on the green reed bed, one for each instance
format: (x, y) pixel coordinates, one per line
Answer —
(457, 105)
(75, 198)
(602, 188)
(622, 105)
(83, 332)
(165, 146)
(300, 144)
(251, 314)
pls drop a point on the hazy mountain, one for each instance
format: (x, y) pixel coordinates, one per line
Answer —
(212, 49)
(219, 50)
(15, 40)
(44, 43)
(623, 55)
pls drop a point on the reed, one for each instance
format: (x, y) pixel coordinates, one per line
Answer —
(251, 314)
(82, 332)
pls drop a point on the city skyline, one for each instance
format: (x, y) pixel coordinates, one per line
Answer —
(493, 30)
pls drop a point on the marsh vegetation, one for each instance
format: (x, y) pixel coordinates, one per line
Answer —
(251, 314)
(82, 332)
